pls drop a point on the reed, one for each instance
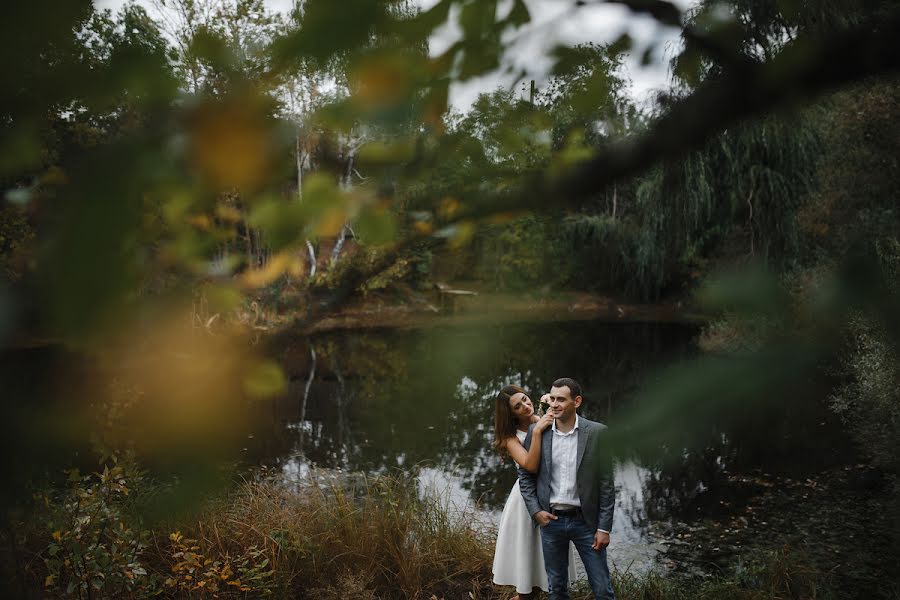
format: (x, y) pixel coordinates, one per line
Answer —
(383, 540)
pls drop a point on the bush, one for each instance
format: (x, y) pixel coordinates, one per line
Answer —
(94, 551)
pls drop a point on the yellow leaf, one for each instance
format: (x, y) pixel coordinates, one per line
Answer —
(57, 535)
(48, 581)
(229, 213)
(463, 233)
(200, 222)
(230, 145)
(278, 264)
(448, 208)
(330, 223)
(423, 227)
(501, 218)
(381, 81)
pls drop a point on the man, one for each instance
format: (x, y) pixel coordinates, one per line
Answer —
(572, 496)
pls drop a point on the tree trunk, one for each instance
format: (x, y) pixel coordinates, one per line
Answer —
(615, 202)
(301, 159)
(312, 258)
(346, 185)
(299, 153)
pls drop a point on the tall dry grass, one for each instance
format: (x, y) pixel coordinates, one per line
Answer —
(381, 541)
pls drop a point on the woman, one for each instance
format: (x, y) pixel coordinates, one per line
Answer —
(518, 558)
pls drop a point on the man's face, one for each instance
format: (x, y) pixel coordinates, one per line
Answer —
(562, 404)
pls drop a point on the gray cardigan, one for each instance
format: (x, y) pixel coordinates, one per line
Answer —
(593, 477)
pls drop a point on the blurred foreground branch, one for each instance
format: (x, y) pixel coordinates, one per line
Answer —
(806, 68)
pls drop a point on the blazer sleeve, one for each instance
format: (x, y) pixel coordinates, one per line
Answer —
(528, 482)
(607, 488)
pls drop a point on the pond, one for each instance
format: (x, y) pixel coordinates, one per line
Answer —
(422, 401)
(779, 472)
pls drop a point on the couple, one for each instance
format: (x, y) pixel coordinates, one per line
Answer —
(565, 487)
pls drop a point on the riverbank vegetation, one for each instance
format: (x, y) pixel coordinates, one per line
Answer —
(328, 536)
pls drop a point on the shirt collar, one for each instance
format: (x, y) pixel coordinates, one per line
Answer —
(574, 429)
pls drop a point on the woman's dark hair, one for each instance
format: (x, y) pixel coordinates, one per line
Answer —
(504, 422)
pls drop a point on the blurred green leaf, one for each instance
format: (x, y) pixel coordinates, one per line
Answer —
(621, 45)
(283, 222)
(385, 152)
(750, 291)
(264, 379)
(20, 149)
(428, 20)
(325, 29)
(222, 299)
(376, 225)
(477, 18)
(679, 408)
(518, 14)
(478, 58)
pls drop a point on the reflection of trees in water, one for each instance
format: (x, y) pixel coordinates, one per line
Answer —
(631, 517)
(786, 436)
(677, 484)
(382, 401)
(378, 401)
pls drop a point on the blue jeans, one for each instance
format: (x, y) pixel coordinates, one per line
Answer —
(555, 538)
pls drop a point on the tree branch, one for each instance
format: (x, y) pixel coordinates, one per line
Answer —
(807, 67)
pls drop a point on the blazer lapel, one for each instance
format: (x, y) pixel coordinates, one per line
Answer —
(547, 452)
(583, 434)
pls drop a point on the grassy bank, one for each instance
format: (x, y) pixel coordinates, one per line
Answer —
(377, 539)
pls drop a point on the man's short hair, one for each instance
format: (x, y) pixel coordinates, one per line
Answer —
(570, 383)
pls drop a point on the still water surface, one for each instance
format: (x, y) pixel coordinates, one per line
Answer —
(422, 402)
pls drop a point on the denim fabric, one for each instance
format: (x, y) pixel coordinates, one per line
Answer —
(555, 538)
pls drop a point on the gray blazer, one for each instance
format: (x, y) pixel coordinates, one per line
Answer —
(593, 477)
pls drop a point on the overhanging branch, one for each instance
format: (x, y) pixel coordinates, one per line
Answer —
(809, 66)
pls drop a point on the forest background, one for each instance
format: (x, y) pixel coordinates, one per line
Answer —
(227, 170)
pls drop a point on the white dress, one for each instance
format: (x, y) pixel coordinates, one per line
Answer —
(518, 557)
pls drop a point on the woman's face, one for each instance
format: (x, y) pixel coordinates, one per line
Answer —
(520, 406)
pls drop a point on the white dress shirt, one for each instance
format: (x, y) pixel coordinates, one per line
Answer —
(564, 459)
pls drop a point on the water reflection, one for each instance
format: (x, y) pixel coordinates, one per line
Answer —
(422, 402)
